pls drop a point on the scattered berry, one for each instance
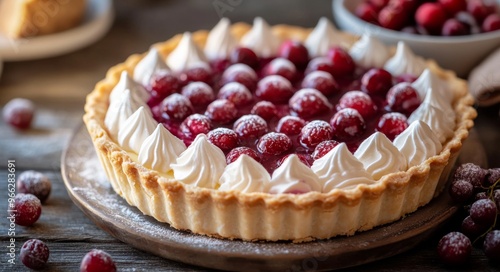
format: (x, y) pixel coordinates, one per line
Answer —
(491, 246)
(97, 261)
(454, 248)
(472, 229)
(34, 254)
(471, 173)
(461, 191)
(35, 183)
(483, 211)
(19, 113)
(28, 209)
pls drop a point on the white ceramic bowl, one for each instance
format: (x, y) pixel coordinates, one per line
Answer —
(459, 54)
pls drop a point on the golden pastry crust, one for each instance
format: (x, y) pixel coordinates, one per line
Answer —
(263, 216)
(29, 18)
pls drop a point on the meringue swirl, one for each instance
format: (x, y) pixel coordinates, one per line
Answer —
(369, 52)
(245, 175)
(135, 130)
(442, 124)
(405, 61)
(148, 66)
(294, 177)
(261, 39)
(417, 143)
(186, 55)
(220, 42)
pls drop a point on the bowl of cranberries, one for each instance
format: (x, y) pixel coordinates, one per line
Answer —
(458, 34)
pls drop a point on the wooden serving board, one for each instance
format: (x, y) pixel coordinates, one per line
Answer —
(88, 187)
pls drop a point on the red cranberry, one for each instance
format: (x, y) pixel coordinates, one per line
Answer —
(347, 124)
(162, 84)
(97, 261)
(320, 64)
(201, 73)
(409, 78)
(236, 93)
(403, 98)
(274, 143)
(309, 102)
(222, 111)
(245, 56)
(480, 9)
(359, 101)
(250, 126)
(454, 248)
(469, 20)
(491, 23)
(453, 7)
(376, 81)
(453, 27)
(196, 124)
(282, 67)
(296, 52)
(177, 107)
(223, 138)
(392, 18)
(34, 254)
(431, 16)
(265, 109)
(28, 209)
(392, 124)
(343, 64)
(323, 148)
(367, 12)
(19, 113)
(276, 89)
(35, 183)
(304, 158)
(378, 4)
(290, 125)
(407, 6)
(199, 94)
(321, 81)
(314, 133)
(241, 73)
(234, 154)
(220, 65)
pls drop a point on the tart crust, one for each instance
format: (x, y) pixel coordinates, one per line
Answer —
(263, 216)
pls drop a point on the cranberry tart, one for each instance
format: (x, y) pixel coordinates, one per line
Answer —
(278, 133)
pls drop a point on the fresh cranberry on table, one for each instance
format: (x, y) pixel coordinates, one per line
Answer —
(35, 183)
(245, 56)
(321, 81)
(224, 138)
(235, 153)
(275, 89)
(295, 52)
(97, 261)
(222, 111)
(19, 113)
(274, 143)
(34, 254)
(28, 209)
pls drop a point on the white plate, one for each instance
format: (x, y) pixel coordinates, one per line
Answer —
(97, 21)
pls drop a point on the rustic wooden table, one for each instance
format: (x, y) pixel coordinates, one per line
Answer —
(58, 87)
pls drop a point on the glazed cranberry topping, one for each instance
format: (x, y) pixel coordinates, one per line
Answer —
(245, 56)
(265, 109)
(290, 125)
(35, 183)
(274, 143)
(97, 260)
(323, 148)
(177, 107)
(236, 93)
(347, 124)
(320, 64)
(359, 101)
(162, 84)
(392, 124)
(296, 52)
(343, 64)
(403, 98)
(250, 126)
(309, 102)
(304, 158)
(234, 154)
(376, 81)
(314, 133)
(282, 67)
(224, 138)
(201, 73)
(34, 254)
(241, 73)
(222, 111)
(19, 113)
(321, 81)
(196, 124)
(28, 209)
(274, 88)
(200, 94)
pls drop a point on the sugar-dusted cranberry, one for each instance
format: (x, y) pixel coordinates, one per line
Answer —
(163, 83)
(343, 64)
(276, 89)
(245, 56)
(97, 260)
(453, 7)
(306, 159)
(282, 67)
(309, 102)
(347, 124)
(201, 73)
(359, 101)
(376, 81)
(236, 93)
(392, 124)
(491, 23)
(392, 18)
(491, 246)
(295, 52)
(265, 109)
(199, 94)
(290, 125)
(34, 254)
(35, 183)
(19, 113)
(320, 64)
(321, 81)
(314, 133)
(453, 27)
(274, 143)
(224, 138)
(250, 126)
(177, 107)
(480, 9)
(28, 209)
(235, 153)
(454, 248)
(367, 12)
(196, 124)
(403, 98)
(220, 65)
(241, 73)
(222, 111)
(431, 16)
(323, 148)
(409, 78)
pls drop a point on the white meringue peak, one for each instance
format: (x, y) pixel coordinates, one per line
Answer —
(186, 55)
(135, 130)
(405, 61)
(120, 109)
(127, 83)
(322, 37)
(245, 175)
(442, 124)
(148, 66)
(369, 51)
(220, 42)
(294, 177)
(428, 80)
(261, 39)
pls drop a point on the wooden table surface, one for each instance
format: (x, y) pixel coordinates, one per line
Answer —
(58, 87)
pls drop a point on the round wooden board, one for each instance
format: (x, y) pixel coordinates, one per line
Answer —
(88, 187)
